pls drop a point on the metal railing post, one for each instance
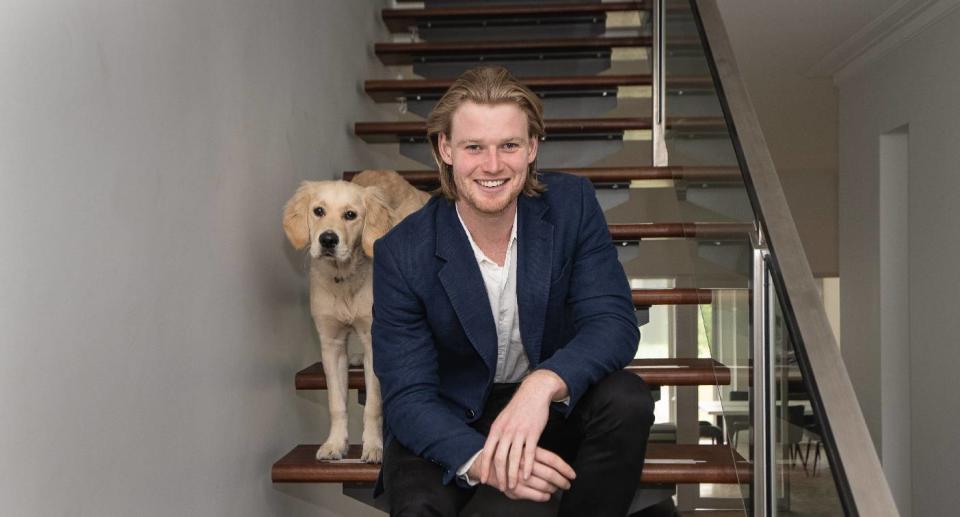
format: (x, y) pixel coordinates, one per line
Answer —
(658, 121)
(763, 358)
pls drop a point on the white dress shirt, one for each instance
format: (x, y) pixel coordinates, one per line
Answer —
(501, 285)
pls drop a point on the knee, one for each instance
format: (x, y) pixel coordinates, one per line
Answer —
(626, 395)
(424, 498)
(420, 503)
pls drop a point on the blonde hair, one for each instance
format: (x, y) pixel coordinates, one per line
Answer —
(485, 85)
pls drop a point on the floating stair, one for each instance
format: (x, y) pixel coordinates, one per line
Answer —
(665, 464)
(656, 372)
(453, 35)
(604, 176)
(643, 298)
(570, 86)
(415, 131)
(486, 51)
(482, 16)
(714, 231)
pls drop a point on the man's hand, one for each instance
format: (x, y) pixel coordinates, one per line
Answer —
(517, 429)
(550, 473)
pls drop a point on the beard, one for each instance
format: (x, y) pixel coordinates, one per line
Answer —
(475, 196)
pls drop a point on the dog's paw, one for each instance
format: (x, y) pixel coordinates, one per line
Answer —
(332, 450)
(372, 453)
(355, 360)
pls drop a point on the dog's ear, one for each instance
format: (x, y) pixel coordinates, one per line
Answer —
(295, 217)
(378, 219)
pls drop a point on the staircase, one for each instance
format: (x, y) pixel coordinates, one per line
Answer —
(682, 245)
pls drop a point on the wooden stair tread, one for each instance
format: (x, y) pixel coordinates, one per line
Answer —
(680, 296)
(415, 130)
(391, 90)
(601, 176)
(656, 372)
(401, 20)
(714, 231)
(400, 53)
(666, 463)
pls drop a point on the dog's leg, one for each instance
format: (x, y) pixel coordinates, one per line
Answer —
(356, 359)
(373, 409)
(333, 353)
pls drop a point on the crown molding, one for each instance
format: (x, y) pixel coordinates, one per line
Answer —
(902, 21)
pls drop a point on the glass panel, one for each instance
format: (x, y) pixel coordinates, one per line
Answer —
(718, 256)
(804, 477)
(723, 408)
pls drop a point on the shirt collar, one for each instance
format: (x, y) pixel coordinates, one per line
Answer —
(477, 253)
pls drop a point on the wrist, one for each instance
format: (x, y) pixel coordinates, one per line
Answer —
(546, 382)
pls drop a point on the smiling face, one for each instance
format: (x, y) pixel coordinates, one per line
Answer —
(490, 152)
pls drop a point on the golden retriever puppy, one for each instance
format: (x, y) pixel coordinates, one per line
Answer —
(340, 221)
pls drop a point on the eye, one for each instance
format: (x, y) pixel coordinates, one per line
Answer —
(319, 212)
(511, 146)
(349, 215)
(473, 148)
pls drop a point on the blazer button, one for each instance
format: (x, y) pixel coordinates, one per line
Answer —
(471, 413)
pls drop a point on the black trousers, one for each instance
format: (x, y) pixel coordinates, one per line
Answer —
(604, 439)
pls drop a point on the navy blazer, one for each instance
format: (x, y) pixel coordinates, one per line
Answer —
(434, 336)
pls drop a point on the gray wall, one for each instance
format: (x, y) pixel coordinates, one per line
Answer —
(152, 315)
(797, 113)
(914, 85)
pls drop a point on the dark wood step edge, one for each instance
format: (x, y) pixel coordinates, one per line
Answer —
(601, 176)
(416, 130)
(623, 233)
(666, 463)
(390, 90)
(392, 53)
(683, 296)
(402, 20)
(656, 372)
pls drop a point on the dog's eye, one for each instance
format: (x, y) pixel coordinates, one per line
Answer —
(319, 211)
(349, 215)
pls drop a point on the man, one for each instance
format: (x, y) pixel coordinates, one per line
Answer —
(502, 323)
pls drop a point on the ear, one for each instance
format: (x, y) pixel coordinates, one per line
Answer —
(295, 217)
(446, 152)
(378, 218)
(534, 145)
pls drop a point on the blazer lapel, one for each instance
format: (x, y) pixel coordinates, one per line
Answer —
(534, 259)
(463, 282)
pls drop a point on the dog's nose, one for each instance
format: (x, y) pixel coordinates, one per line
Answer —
(329, 239)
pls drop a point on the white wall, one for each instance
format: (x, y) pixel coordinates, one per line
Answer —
(152, 315)
(916, 85)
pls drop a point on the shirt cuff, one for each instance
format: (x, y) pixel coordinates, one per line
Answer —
(564, 400)
(462, 471)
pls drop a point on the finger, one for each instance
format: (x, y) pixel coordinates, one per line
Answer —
(513, 467)
(527, 492)
(500, 463)
(555, 462)
(529, 458)
(541, 485)
(486, 456)
(548, 474)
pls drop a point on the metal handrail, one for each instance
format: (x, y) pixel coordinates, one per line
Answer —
(658, 91)
(861, 483)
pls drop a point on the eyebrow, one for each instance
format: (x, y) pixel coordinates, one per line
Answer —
(475, 141)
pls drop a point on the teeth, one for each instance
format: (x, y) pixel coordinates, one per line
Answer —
(492, 183)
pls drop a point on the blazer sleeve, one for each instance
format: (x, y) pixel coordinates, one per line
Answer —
(606, 335)
(405, 361)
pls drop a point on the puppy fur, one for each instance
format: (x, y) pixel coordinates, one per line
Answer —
(340, 221)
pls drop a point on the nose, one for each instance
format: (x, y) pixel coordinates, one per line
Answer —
(329, 239)
(491, 162)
